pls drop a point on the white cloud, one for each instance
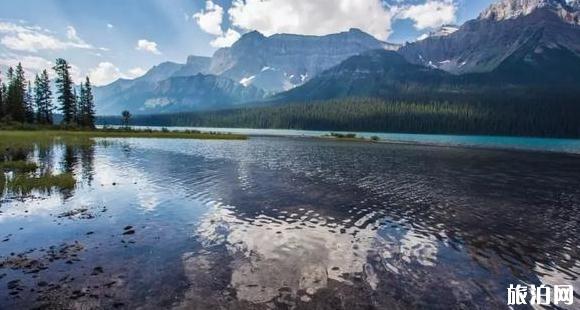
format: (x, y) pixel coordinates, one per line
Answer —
(71, 34)
(312, 17)
(32, 39)
(226, 39)
(210, 19)
(104, 73)
(76, 75)
(34, 64)
(431, 14)
(31, 64)
(31, 42)
(136, 72)
(110, 26)
(148, 46)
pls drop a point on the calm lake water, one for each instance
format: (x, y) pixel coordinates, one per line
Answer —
(495, 142)
(290, 223)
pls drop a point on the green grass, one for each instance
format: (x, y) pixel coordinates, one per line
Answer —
(165, 134)
(24, 184)
(18, 165)
(44, 135)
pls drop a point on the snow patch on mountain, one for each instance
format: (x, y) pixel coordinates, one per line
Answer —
(443, 31)
(247, 81)
(153, 103)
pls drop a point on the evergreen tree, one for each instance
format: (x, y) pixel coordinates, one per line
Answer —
(29, 104)
(126, 115)
(9, 74)
(76, 109)
(16, 105)
(87, 105)
(81, 105)
(64, 85)
(2, 92)
(43, 98)
(4, 110)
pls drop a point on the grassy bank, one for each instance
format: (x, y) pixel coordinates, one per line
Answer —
(43, 134)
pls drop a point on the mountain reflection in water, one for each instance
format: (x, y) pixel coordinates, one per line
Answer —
(295, 223)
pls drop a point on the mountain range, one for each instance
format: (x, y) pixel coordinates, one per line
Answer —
(514, 49)
(256, 66)
(521, 28)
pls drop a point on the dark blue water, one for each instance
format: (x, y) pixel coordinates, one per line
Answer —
(290, 223)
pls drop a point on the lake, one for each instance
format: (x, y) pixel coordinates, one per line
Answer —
(292, 223)
(495, 142)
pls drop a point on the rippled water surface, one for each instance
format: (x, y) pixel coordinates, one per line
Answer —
(290, 223)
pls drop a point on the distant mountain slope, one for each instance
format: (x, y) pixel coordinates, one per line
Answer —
(193, 66)
(119, 95)
(377, 73)
(283, 61)
(519, 49)
(502, 32)
(181, 93)
(442, 31)
(200, 92)
(272, 64)
(551, 75)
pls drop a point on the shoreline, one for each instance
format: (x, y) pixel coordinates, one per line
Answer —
(119, 133)
(438, 145)
(202, 133)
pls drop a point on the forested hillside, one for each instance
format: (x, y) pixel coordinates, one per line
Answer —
(530, 118)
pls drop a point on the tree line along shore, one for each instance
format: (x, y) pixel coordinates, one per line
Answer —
(31, 106)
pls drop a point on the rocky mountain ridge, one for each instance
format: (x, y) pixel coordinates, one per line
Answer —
(482, 44)
(522, 43)
(509, 9)
(265, 65)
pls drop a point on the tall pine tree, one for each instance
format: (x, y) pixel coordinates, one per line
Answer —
(16, 105)
(80, 104)
(64, 85)
(29, 104)
(87, 105)
(4, 112)
(43, 98)
(9, 74)
(76, 107)
(2, 92)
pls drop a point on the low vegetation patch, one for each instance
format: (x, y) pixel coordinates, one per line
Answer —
(18, 166)
(164, 133)
(24, 184)
(350, 137)
(40, 135)
(343, 135)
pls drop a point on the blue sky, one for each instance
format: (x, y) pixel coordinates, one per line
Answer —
(108, 39)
